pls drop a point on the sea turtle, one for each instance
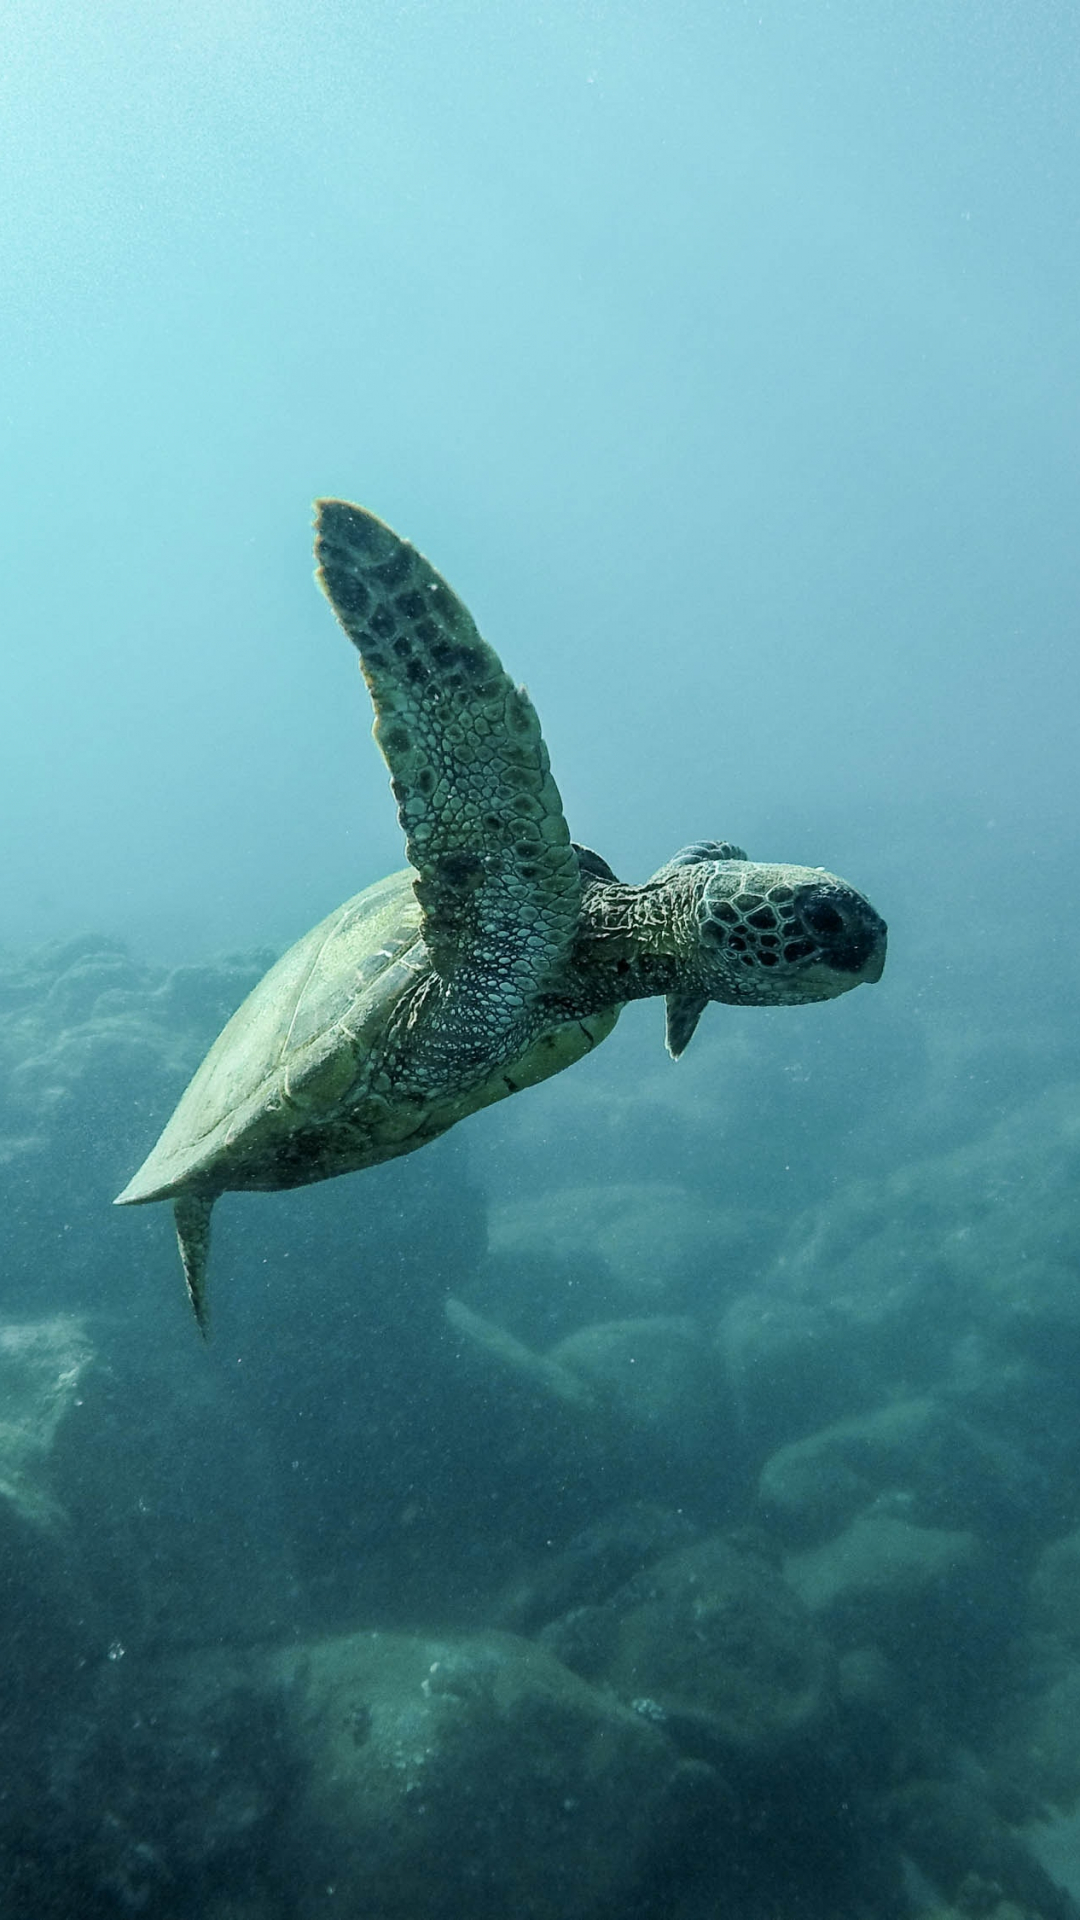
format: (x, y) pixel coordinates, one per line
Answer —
(502, 953)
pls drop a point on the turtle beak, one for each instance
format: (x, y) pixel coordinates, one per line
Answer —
(853, 937)
(866, 944)
(875, 966)
(862, 946)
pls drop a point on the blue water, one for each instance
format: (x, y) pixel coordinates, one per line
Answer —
(724, 359)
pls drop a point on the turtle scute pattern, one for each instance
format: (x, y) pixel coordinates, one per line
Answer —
(498, 881)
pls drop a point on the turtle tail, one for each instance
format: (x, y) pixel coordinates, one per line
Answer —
(192, 1215)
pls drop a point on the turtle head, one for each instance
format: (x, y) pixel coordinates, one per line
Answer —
(768, 935)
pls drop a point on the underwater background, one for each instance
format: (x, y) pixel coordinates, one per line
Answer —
(658, 1499)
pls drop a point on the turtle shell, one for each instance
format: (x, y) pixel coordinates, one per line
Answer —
(288, 1093)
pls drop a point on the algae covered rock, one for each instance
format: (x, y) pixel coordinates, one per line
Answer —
(713, 1644)
(886, 1291)
(789, 1365)
(117, 1527)
(168, 1788)
(1055, 1589)
(470, 1776)
(920, 1453)
(594, 1565)
(379, 1775)
(983, 1227)
(661, 1246)
(180, 1548)
(888, 1584)
(968, 1853)
(94, 1047)
(656, 1376)
(42, 1364)
(47, 1617)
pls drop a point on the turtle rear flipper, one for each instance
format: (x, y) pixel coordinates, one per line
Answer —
(191, 1212)
(684, 1010)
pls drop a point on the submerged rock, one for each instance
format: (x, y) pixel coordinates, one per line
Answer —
(903, 1589)
(474, 1776)
(657, 1376)
(95, 1048)
(1038, 1735)
(662, 1247)
(876, 1293)
(1039, 1741)
(1055, 1590)
(49, 1620)
(42, 1364)
(165, 1793)
(117, 1523)
(594, 1565)
(640, 1400)
(920, 1453)
(969, 1855)
(712, 1644)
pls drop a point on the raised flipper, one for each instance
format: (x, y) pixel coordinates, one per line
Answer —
(498, 880)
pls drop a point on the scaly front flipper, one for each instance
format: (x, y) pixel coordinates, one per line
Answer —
(498, 880)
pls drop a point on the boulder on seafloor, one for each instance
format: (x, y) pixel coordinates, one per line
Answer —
(625, 1403)
(790, 1365)
(946, 1471)
(659, 1378)
(916, 1593)
(876, 1293)
(968, 1853)
(164, 1794)
(1040, 1740)
(1055, 1590)
(119, 1527)
(177, 1511)
(1037, 1739)
(663, 1248)
(95, 1049)
(49, 1617)
(714, 1645)
(593, 1565)
(470, 1776)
